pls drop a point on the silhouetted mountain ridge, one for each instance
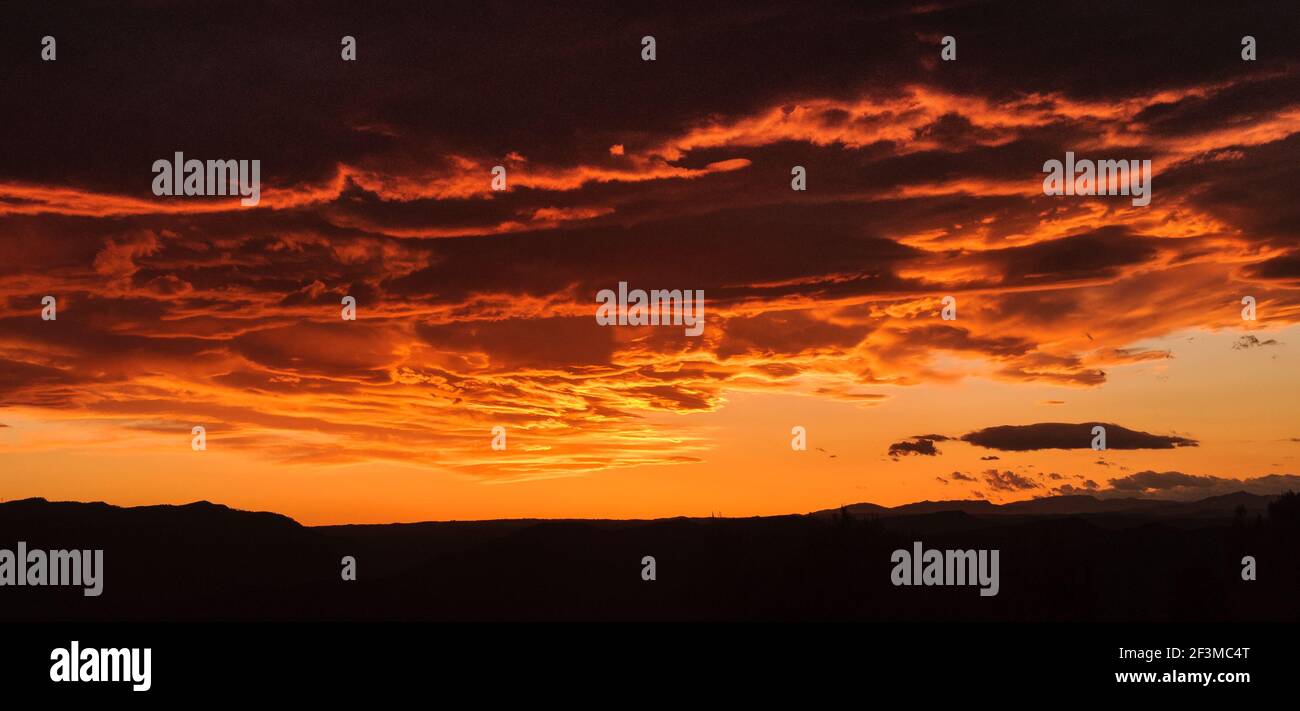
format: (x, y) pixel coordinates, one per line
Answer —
(1062, 558)
(1068, 505)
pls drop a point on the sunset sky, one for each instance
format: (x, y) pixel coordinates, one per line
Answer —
(476, 308)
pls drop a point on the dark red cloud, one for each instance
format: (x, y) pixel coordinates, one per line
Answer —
(1180, 486)
(1061, 435)
(921, 444)
(1008, 481)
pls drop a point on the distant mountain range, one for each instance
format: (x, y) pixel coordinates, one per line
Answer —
(1225, 505)
(1062, 558)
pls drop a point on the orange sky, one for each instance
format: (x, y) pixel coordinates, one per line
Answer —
(476, 308)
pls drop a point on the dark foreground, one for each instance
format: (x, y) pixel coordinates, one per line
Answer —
(1063, 559)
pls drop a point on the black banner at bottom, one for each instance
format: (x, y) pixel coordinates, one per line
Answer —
(605, 663)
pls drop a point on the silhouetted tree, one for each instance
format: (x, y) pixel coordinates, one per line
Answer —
(1284, 512)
